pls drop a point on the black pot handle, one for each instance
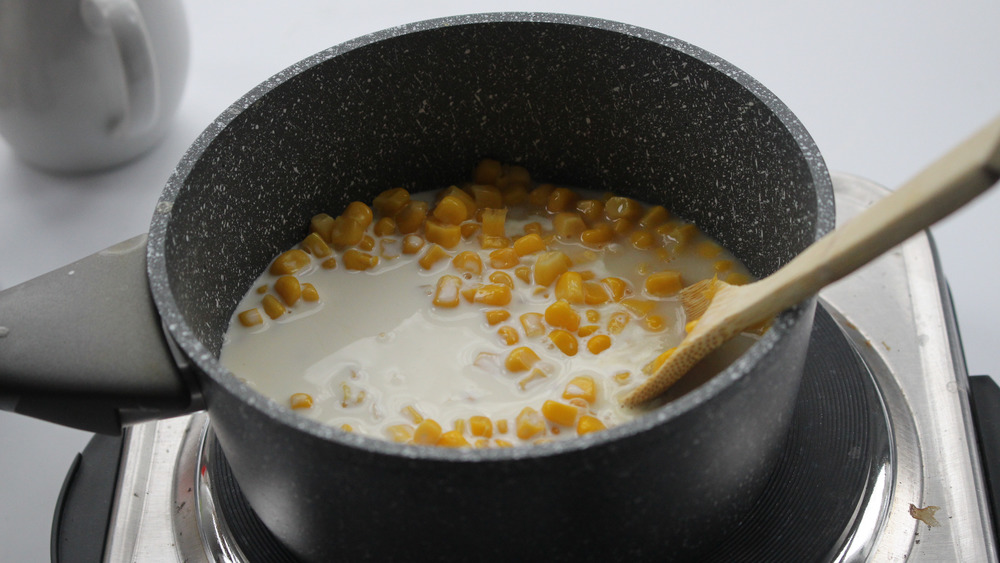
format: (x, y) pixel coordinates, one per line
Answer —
(985, 398)
(83, 346)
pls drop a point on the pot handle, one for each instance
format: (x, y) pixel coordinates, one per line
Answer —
(83, 346)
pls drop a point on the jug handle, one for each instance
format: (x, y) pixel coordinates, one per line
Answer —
(123, 20)
(83, 346)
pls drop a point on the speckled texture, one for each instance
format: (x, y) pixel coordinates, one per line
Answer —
(581, 101)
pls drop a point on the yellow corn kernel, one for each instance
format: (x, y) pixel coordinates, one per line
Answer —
(354, 259)
(561, 314)
(623, 208)
(622, 377)
(569, 287)
(560, 199)
(497, 316)
(593, 315)
(482, 443)
(493, 294)
(504, 258)
(261, 290)
(360, 212)
(642, 239)
(657, 362)
(412, 244)
(502, 426)
(588, 424)
(617, 288)
(384, 227)
(581, 387)
(494, 222)
(309, 293)
(461, 195)
(617, 322)
(533, 228)
(315, 245)
(411, 217)
(598, 235)
(389, 202)
(529, 244)
(535, 375)
(502, 278)
(481, 426)
(565, 341)
(347, 231)
(591, 209)
(638, 307)
(549, 265)
(540, 195)
(468, 261)
(689, 326)
(468, 229)
(654, 217)
(722, 265)
(708, 249)
(514, 194)
(330, 263)
(300, 401)
(251, 317)
(486, 197)
(452, 439)
(289, 262)
(599, 343)
(322, 225)
(503, 443)
(487, 171)
(529, 423)
(367, 243)
(585, 331)
(412, 413)
(594, 294)
(427, 433)
(655, 323)
(521, 359)
(387, 248)
(508, 335)
(469, 293)
(623, 227)
(450, 211)
(560, 413)
(272, 306)
(683, 234)
(289, 289)
(523, 273)
(488, 242)
(447, 292)
(736, 278)
(446, 235)
(399, 433)
(433, 255)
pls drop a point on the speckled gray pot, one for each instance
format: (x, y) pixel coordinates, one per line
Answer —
(582, 101)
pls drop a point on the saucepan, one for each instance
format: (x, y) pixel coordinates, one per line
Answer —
(133, 333)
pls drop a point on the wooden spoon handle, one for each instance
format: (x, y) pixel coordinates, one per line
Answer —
(950, 182)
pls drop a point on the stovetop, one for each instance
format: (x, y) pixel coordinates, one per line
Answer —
(881, 464)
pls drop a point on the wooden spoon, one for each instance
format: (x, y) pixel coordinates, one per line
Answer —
(726, 310)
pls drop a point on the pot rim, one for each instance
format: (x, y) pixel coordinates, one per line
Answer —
(207, 363)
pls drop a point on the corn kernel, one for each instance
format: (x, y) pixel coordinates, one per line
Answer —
(502, 426)
(322, 225)
(622, 377)
(300, 401)
(508, 335)
(330, 263)
(593, 315)
(452, 439)
(642, 239)
(289, 289)
(347, 231)
(617, 322)
(487, 171)
(360, 212)
(315, 245)
(514, 194)
(309, 293)
(412, 244)
(585, 331)
(251, 317)
(560, 413)
(389, 202)
(655, 323)
(446, 294)
(482, 443)
(521, 359)
(591, 209)
(289, 262)
(581, 387)
(657, 362)
(736, 278)
(504, 258)
(529, 423)
(412, 413)
(411, 217)
(497, 316)
(617, 287)
(400, 433)
(561, 314)
(450, 211)
(446, 235)
(598, 235)
(486, 197)
(468, 229)
(540, 195)
(569, 287)
(689, 326)
(433, 255)
(529, 244)
(654, 217)
(262, 289)
(493, 294)
(427, 433)
(535, 375)
(481, 426)
(594, 294)
(468, 261)
(532, 324)
(708, 249)
(623, 208)
(469, 293)
(523, 273)
(461, 195)
(388, 249)
(503, 443)
(638, 307)
(488, 242)
(356, 260)
(494, 222)
(560, 199)
(533, 228)
(502, 278)
(722, 265)
(272, 306)
(549, 266)
(599, 343)
(565, 341)
(588, 424)
(384, 227)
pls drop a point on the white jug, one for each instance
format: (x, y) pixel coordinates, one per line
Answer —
(88, 84)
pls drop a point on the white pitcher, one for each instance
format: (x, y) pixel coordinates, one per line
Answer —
(88, 84)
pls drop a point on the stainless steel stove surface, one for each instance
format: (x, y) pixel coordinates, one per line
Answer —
(882, 462)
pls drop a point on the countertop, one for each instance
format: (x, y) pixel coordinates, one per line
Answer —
(883, 87)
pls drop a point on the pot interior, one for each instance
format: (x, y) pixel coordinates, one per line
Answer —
(581, 102)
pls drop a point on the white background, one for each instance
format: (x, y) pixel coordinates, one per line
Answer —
(883, 87)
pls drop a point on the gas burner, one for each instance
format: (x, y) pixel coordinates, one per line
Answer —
(882, 434)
